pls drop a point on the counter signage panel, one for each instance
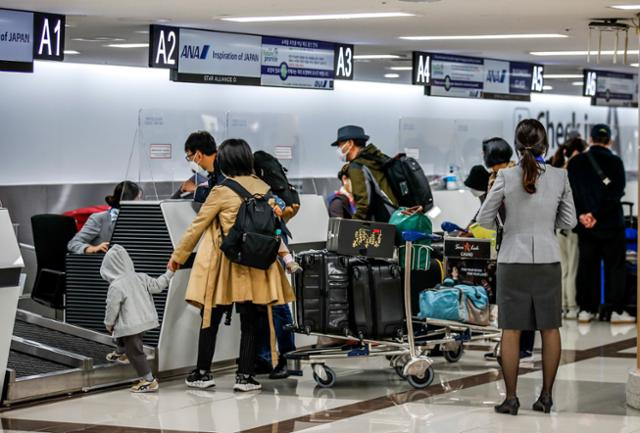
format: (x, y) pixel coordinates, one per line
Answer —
(609, 88)
(507, 80)
(218, 58)
(457, 76)
(49, 33)
(421, 68)
(164, 44)
(288, 62)
(343, 62)
(16, 41)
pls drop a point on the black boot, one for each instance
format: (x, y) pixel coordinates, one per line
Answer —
(544, 403)
(509, 405)
(281, 371)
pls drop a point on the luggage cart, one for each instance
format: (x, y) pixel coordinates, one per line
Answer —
(408, 355)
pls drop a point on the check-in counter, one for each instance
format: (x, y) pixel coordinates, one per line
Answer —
(11, 265)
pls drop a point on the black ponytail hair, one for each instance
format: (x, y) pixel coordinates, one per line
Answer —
(124, 191)
(531, 143)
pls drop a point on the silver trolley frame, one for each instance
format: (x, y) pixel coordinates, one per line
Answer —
(408, 355)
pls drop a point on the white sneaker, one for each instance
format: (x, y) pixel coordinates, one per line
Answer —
(572, 313)
(585, 317)
(622, 318)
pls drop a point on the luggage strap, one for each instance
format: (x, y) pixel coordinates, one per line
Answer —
(603, 177)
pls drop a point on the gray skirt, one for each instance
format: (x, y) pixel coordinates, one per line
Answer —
(529, 296)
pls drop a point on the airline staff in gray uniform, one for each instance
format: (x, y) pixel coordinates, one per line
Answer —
(95, 235)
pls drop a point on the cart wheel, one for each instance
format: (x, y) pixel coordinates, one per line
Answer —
(327, 382)
(422, 382)
(399, 363)
(454, 355)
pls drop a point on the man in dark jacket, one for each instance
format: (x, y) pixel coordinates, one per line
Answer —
(200, 149)
(371, 190)
(598, 181)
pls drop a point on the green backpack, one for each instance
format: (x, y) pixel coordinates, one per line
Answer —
(421, 251)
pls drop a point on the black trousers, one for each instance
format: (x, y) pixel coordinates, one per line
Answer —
(248, 338)
(207, 339)
(132, 345)
(609, 247)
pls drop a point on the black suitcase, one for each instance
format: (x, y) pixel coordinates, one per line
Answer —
(376, 298)
(322, 299)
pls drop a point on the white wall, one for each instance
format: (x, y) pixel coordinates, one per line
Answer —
(73, 123)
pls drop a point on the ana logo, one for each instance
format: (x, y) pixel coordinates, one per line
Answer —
(195, 52)
(494, 76)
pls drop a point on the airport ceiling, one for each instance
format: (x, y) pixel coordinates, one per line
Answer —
(129, 20)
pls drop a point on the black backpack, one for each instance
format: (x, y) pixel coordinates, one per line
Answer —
(407, 180)
(269, 169)
(252, 241)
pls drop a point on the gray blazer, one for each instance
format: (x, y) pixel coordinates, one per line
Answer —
(530, 218)
(96, 230)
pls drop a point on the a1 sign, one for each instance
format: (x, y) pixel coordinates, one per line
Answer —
(421, 68)
(537, 78)
(164, 46)
(343, 62)
(49, 31)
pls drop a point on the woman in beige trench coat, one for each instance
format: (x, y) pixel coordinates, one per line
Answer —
(215, 280)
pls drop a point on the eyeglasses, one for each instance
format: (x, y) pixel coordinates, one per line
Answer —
(188, 157)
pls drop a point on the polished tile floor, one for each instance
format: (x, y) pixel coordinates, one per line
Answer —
(370, 397)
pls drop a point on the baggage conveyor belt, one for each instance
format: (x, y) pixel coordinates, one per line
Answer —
(50, 358)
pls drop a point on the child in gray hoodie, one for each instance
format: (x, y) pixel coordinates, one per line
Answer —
(130, 312)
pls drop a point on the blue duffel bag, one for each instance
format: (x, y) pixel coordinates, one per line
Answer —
(455, 302)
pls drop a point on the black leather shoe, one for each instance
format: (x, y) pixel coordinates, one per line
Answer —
(509, 406)
(544, 403)
(281, 371)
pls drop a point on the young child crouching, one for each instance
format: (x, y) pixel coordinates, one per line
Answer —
(130, 312)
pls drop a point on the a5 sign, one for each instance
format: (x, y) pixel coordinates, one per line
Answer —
(343, 62)
(164, 47)
(421, 71)
(537, 79)
(49, 32)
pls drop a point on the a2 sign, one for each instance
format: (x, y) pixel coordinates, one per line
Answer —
(165, 47)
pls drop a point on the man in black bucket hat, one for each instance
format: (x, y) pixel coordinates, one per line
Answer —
(371, 190)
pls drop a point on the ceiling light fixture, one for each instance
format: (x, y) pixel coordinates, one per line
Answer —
(321, 17)
(401, 68)
(485, 37)
(391, 75)
(71, 52)
(145, 45)
(561, 76)
(375, 56)
(99, 39)
(635, 65)
(625, 7)
(575, 53)
(576, 83)
(547, 88)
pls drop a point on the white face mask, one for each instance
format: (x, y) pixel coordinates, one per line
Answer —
(342, 155)
(195, 167)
